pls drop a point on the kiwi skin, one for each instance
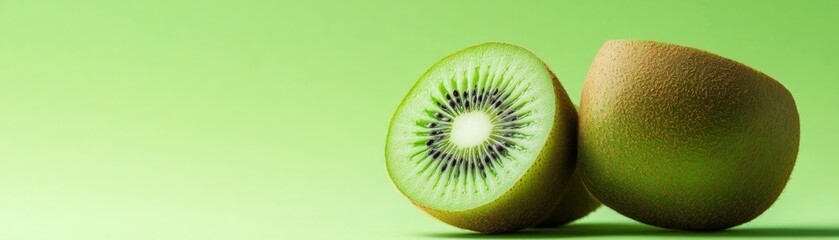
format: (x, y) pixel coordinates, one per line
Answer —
(532, 197)
(576, 203)
(681, 138)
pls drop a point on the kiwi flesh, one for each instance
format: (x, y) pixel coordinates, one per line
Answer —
(680, 138)
(484, 140)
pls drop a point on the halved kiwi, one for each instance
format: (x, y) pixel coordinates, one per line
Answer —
(576, 203)
(485, 140)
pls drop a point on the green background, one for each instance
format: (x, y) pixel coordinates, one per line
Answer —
(187, 119)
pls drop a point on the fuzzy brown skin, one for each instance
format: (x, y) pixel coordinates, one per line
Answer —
(680, 138)
(576, 203)
(531, 199)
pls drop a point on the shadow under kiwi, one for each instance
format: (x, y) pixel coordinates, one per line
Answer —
(637, 229)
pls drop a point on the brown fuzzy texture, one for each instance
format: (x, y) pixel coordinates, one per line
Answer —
(681, 138)
(530, 200)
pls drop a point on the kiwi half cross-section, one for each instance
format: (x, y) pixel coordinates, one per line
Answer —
(485, 140)
(677, 137)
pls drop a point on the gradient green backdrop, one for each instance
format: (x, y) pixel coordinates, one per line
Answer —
(188, 119)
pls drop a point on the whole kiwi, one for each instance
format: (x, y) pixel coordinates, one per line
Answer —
(680, 138)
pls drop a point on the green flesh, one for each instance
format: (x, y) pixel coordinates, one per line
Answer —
(507, 84)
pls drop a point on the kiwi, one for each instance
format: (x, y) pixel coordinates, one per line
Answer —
(576, 203)
(681, 138)
(484, 140)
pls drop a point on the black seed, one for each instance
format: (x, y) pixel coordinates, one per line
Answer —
(497, 104)
(431, 125)
(445, 109)
(498, 148)
(514, 118)
(438, 115)
(445, 119)
(443, 169)
(455, 93)
(466, 104)
(451, 103)
(508, 134)
(448, 97)
(429, 142)
(495, 91)
(480, 166)
(437, 155)
(432, 152)
(488, 163)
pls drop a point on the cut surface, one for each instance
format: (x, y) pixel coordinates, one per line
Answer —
(471, 127)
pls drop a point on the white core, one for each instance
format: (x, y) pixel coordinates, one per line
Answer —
(470, 129)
